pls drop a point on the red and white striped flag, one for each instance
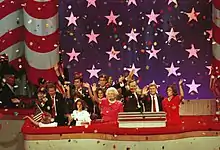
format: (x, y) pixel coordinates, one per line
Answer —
(29, 36)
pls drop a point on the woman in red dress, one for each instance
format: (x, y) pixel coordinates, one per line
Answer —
(171, 104)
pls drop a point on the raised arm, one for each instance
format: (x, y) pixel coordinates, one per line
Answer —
(181, 88)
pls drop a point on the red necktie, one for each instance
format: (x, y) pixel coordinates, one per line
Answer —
(154, 105)
(53, 107)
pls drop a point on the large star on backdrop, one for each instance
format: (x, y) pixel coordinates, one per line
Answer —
(91, 3)
(92, 37)
(171, 35)
(72, 19)
(193, 15)
(153, 82)
(135, 70)
(132, 35)
(73, 55)
(132, 2)
(172, 1)
(113, 54)
(172, 70)
(112, 18)
(210, 33)
(93, 72)
(210, 69)
(153, 52)
(193, 86)
(152, 17)
(193, 51)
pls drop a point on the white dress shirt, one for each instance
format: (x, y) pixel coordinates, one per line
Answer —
(154, 101)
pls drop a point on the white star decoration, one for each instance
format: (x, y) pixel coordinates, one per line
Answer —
(172, 35)
(193, 86)
(152, 17)
(133, 2)
(193, 51)
(193, 15)
(135, 70)
(132, 35)
(91, 2)
(172, 70)
(92, 37)
(72, 19)
(73, 55)
(93, 72)
(113, 54)
(153, 82)
(210, 33)
(153, 52)
(210, 69)
(172, 1)
(112, 18)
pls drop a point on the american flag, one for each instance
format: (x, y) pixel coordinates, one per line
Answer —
(163, 40)
(38, 113)
(29, 36)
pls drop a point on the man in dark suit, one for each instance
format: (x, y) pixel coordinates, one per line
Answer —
(55, 104)
(7, 95)
(152, 100)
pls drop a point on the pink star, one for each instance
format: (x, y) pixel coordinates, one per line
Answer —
(152, 17)
(193, 51)
(93, 72)
(172, 35)
(73, 55)
(113, 54)
(92, 37)
(172, 70)
(72, 19)
(153, 52)
(192, 15)
(153, 82)
(172, 1)
(210, 33)
(135, 70)
(132, 35)
(133, 2)
(91, 2)
(193, 87)
(210, 69)
(112, 18)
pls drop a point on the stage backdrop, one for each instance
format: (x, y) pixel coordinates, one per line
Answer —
(163, 40)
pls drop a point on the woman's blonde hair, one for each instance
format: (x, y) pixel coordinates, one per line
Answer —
(112, 89)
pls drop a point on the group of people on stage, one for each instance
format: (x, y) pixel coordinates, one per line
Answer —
(80, 103)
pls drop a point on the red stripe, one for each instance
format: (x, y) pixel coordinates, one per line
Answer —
(34, 74)
(47, 9)
(216, 33)
(215, 67)
(12, 37)
(9, 6)
(16, 63)
(216, 3)
(41, 44)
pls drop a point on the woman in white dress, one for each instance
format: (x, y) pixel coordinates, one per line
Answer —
(81, 116)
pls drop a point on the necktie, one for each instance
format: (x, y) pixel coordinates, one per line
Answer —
(53, 107)
(154, 104)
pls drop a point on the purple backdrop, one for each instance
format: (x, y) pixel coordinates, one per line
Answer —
(91, 15)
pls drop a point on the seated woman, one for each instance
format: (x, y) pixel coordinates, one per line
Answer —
(46, 121)
(171, 104)
(81, 116)
(110, 106)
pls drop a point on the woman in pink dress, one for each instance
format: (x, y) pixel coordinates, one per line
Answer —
(110, 106)
(171, 104)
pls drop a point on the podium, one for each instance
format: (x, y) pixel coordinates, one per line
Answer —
(141, 120)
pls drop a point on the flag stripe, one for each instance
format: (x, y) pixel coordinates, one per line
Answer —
(41, 27)
(11, 22)
(9, 6)
(47, 9)
(41, 61)
(12, 37)
(42, 44)
(15, 51)
(216, 33)
(216, 3)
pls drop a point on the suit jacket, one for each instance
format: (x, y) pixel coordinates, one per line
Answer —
(148, 102)
(5, 97)
(60, 107)
(131, 102)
